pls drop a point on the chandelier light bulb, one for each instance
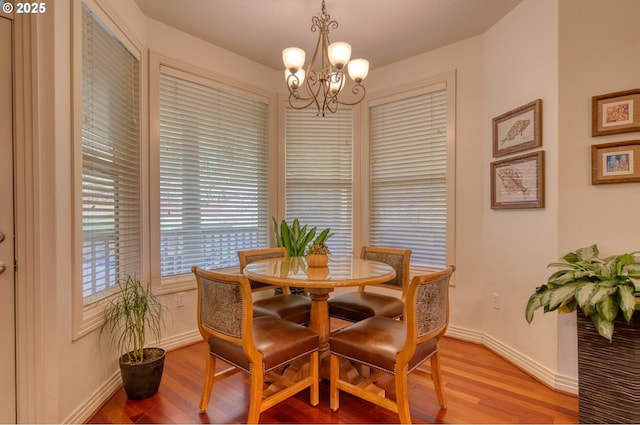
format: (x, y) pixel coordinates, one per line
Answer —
(293, 58)
(339, 54)
(358, 69)
(294, 81)
(335, 84)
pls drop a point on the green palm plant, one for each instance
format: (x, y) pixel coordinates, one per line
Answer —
(129, 315)
(601, 288)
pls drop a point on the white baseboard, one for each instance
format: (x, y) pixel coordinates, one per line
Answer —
(85, 411)
(465, 334)
(542, 373)
(182, 340)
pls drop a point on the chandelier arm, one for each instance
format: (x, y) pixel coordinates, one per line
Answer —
(293, 99)
(312, 87)
(359, 90)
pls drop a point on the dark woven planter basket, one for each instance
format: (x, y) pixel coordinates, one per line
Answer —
(609, 373)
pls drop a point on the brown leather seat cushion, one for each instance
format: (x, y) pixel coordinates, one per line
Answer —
(278, 340)
(376, 341)
(358, 305)
(291, 307)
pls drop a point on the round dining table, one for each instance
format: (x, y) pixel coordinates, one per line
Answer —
(319, 282)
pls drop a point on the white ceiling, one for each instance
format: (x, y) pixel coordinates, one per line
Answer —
(381, 31)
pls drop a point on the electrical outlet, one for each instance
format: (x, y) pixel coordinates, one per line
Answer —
(180, 299)
(495, 301)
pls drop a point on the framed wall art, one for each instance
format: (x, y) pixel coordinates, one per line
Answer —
(518, 130)
(615, 162)
(615, 113)
(518, 182)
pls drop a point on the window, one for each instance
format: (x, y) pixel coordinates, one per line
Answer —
(409, 201)
(319, 173)
(214, 194)
(111, 222)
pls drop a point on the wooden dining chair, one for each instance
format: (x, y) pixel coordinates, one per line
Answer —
(400, 347)
(256, 346)
(361, 304)
(293, 307)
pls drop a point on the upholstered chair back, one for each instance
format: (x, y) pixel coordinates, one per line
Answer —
(249, 256)
(224, 307)
(431, 305)
(399, 259)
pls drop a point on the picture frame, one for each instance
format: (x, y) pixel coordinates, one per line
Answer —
(518, 130)
(518, 182)
(617, 162)
(615, 113)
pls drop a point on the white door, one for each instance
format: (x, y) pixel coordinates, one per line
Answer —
(7, 280)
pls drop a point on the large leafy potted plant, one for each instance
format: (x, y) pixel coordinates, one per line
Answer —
(602, 288)
(129, 316)
(605, 293)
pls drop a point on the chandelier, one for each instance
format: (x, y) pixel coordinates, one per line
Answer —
(323, 86)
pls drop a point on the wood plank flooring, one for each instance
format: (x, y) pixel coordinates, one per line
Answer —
(480, 387)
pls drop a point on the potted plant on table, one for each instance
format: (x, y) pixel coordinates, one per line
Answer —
(605, 291)
(317, 254)
(296, 238)
(129, 315)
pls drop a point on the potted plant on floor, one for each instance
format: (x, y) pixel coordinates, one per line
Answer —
(132, 313)
(605, 291)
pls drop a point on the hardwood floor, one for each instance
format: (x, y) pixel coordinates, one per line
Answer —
(480, 387)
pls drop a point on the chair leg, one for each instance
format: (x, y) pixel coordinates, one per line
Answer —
(437, 379)
(334, 401)
(315, 376)
(209, 377)
(402, 396)
(255, 398)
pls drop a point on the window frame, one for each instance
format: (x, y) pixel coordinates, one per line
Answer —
(86, 318)
(357, 162)
(322, 223)
(447, 79)
(158, 62)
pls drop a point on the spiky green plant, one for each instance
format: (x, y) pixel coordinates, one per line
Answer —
(295, 238)
(600, 287)
(129, 315)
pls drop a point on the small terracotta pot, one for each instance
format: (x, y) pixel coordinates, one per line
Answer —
(317, 260)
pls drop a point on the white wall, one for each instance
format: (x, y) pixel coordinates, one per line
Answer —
(521, 65)
(560, 51)
(599, 50)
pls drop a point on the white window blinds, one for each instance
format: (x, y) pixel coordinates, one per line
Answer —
(319, 173)
(111, 222)
(213, 175)
(408, 163)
